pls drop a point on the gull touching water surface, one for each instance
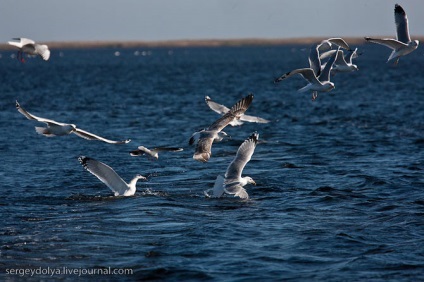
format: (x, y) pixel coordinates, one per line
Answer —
(109, 177)
(233, 182)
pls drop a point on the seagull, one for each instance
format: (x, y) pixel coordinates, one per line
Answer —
(205, 137)
(402, 45)
(221, 109)
(55, 128)
(109, 177)
(28, 46)
(233, 183)
(154, 153)
(317, 80)
(342, 64)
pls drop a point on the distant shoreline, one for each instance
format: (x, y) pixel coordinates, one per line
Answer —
(190, 43)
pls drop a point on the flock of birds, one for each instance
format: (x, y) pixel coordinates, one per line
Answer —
(232, 183)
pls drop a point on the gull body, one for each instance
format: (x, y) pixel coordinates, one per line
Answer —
(109, 177)
(403, 44)
(343, 63)
(153, 153)
(55, 128)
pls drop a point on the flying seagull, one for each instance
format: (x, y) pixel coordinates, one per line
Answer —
(55, 128)
(233, 183)
(221, 109)
(402, 45)
(154, 153)
(318, 81)
(109, 177)
(206, 137)
(343, 63)
(28, 46)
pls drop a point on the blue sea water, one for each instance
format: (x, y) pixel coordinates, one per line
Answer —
(340, 180)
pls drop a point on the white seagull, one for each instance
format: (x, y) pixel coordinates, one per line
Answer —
(153, 153)
(206, 137)
(222, 110)
(109, 177)
(55, 128)
(233, 183)
(318, 81)
(343, 63)
(403, 45)
(28, 46)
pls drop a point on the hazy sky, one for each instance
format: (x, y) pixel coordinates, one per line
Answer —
(99, 20)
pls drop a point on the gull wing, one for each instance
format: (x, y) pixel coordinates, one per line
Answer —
(21, 42)
(325, 74)
(43, 51)
(388, 42)
(306, 73)
(34, 117)
(90, 136)
(218, 108)
(350, 56)
(237, 190)
(314, 60)
(401, 21)
(235, 112)
(167, 149)
(253, 119)
(339, 42)
(243, 156)
(105, 174)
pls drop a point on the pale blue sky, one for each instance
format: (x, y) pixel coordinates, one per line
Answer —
(101, 20)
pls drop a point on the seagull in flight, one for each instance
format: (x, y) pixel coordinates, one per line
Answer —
(153, 153)
(221, 109)
(55, 128)
(343, 63)
(109, 177)
(402, 45)
(207, 136)
(233, 182)
(28, 46)
(318, 81)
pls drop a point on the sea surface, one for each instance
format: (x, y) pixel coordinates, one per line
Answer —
(340, 180)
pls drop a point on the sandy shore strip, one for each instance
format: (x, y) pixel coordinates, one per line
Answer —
(189, 43)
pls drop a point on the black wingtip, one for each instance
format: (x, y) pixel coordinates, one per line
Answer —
(254, 136)
(399, 9)
(17, 104)
(83, 160)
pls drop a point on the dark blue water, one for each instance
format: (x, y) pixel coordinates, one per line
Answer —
(340, 194)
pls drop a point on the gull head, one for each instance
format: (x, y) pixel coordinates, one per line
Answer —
(414, 43)
(221, 135)
(139, 176)
(249, 180)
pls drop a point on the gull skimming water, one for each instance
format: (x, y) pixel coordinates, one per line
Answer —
(233, 182)
(153, 153)
(109, 177)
